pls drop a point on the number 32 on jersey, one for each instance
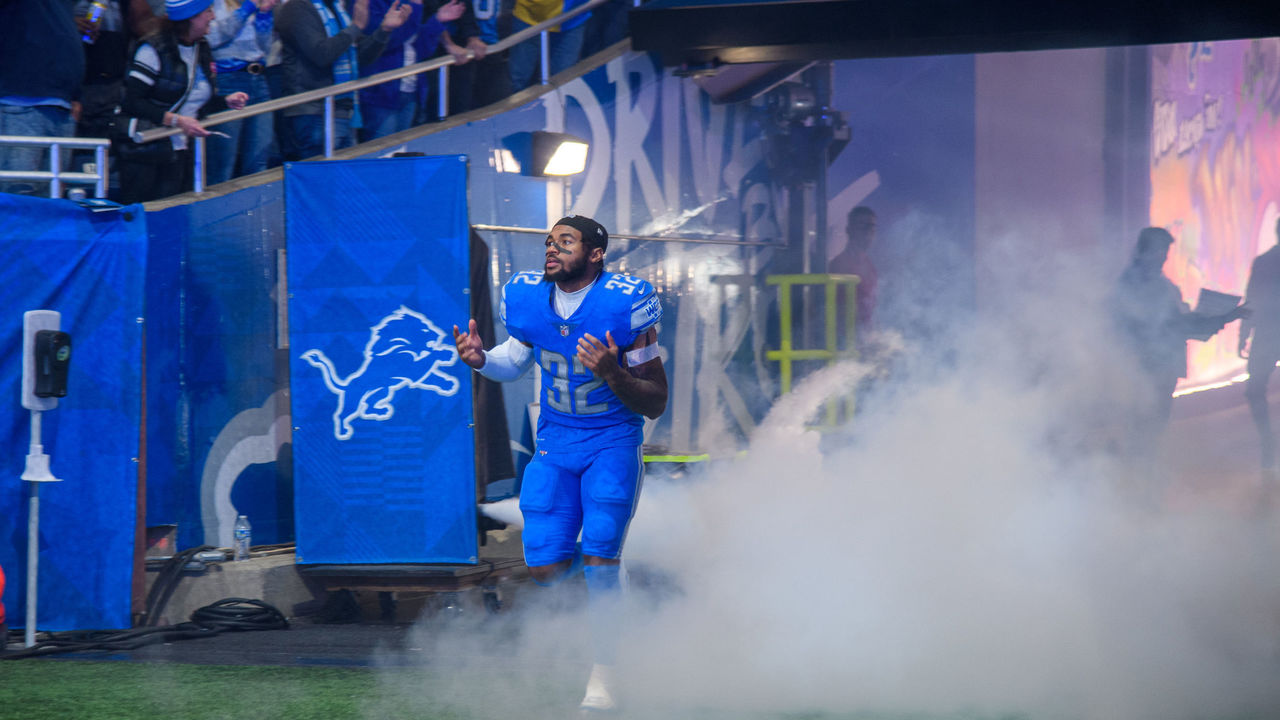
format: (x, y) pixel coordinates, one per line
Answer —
(567, 394)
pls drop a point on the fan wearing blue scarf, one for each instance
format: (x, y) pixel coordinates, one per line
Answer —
(324, 45)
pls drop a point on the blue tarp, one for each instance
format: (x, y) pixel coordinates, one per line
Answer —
(378, 260)
(89, 267)
(217, 419)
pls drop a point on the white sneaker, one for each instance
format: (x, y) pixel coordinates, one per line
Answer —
(598, 697)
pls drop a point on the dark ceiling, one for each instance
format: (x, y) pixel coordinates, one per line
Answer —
(702, 35)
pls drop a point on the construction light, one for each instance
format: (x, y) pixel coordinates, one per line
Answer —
(568, 154)
(543, 154)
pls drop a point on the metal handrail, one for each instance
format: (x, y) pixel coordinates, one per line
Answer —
(328, 94)
(360, 83)
(55, 175)
(700, 240)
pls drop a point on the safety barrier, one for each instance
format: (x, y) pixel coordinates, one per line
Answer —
(55, 175)
(833, 351)
(329, 93)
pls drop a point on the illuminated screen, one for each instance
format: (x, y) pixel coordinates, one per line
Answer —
(1215, 173)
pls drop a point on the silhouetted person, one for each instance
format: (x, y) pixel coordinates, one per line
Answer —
(1262, 297)
(856, 260)
(1156, 324)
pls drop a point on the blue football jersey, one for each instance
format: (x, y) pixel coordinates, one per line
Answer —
(571, 395)
(486, 12)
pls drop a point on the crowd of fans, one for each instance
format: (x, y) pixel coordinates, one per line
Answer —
(113, 68)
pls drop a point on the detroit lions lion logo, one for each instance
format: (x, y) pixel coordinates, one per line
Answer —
(405, 350)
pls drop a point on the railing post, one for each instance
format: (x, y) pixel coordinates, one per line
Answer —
(328, 126)
(442, 90)
(197, 180)
(328, 95)
(545, 56)
(100, 164)
(55, 163)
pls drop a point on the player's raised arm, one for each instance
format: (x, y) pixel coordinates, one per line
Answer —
(470, 347)
(504, 362)
(642, 384)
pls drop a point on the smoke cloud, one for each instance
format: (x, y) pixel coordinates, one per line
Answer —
(974, 544)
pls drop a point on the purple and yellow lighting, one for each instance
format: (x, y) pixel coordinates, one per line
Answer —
(1215, 176)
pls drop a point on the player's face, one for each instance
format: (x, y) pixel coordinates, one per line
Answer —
(567, 256)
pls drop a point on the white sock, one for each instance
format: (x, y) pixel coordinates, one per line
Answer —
(599, 696)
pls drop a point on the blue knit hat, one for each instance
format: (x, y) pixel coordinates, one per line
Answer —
(185, 9)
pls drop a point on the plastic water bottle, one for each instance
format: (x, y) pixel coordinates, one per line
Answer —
(242, 538)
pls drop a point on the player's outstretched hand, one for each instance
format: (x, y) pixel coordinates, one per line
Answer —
(470, 349)
(600, 358)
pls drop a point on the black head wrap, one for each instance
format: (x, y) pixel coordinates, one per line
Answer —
(593, 233)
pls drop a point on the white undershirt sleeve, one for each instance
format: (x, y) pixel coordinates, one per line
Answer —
(507, 361)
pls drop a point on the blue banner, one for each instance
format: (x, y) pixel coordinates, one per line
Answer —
(378, 258)
(90, 268)
(217, 414)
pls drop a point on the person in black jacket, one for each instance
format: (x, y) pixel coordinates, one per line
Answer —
(107, 42)
(1155, 324)
(1259, 343)
(462, 38)
(162, 89)
(323, 44)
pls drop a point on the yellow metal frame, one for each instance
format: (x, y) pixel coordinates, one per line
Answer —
(832, 353)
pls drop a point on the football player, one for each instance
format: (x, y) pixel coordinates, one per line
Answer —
(593, 335)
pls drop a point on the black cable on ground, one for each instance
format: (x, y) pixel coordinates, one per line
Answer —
(240, 614)
(166, 582)
(227, 615)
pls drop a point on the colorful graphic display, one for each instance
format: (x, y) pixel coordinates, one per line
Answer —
(1215, 172)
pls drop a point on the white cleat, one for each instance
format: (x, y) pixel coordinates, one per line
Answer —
(598, 697)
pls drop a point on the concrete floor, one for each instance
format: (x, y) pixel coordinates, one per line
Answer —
(1211, 452)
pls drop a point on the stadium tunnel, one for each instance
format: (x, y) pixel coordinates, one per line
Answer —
(728, 141)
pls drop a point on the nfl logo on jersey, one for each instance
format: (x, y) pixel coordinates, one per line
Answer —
(564, 331)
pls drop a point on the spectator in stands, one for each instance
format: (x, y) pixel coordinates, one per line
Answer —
(41, 69)
(565, 39)
(163, 88)
(240, 38)
(391, 107)
(608, 25)
(284, 145)
(106, 55)
(324, 46)
(462, 40)
(492, 80)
